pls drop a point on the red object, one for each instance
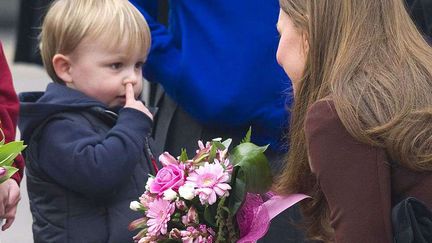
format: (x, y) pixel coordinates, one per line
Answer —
(155, 167)
(9, 108)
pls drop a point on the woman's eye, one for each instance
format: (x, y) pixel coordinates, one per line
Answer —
(116, 65)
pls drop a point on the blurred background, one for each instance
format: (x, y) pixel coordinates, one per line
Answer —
(27, 77)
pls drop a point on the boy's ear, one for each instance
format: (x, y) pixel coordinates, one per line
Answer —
(62, 67)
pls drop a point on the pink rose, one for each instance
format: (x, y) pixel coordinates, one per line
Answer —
(171, 176)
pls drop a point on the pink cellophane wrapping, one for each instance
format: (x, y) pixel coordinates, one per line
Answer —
(251, 228)
(255, 215)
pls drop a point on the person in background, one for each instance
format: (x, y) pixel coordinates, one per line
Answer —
(87, 134)
(361, 134)
(220, 73)
(9, 190)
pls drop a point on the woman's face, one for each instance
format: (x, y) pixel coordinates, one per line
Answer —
(292, 50)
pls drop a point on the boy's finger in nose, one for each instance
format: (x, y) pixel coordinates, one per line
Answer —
(130, 95)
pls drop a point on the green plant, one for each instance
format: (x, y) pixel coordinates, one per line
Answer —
(8, 152)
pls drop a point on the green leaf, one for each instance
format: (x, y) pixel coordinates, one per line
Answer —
(253, 166)
(247, 138)
(183, 155)
(10, 171)
(212, 154)
(8, 161)
(227, 143)
(9, 151)
(221, 220)
(218, 145)
(210, 215)
(200, 157)
(237, 194)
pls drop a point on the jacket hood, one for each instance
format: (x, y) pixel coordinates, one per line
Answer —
(35, 107)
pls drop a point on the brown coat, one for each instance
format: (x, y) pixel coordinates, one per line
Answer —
(357, 179)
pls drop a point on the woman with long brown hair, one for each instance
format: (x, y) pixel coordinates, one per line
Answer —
(361, 129)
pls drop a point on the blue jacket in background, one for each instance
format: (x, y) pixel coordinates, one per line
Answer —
(217, 60)
(82, 170)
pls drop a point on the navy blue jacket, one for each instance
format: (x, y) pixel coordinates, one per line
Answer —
(217, 60)
(82, 172)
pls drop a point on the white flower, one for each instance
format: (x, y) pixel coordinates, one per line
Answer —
(149, 182)
(187, 191)
(169, 195)
(135, 205)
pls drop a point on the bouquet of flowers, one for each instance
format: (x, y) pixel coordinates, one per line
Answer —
(8, 152)
(216, 196)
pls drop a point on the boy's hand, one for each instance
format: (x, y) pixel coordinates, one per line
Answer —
(131, 102)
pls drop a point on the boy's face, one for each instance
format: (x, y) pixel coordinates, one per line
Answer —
(102, 73)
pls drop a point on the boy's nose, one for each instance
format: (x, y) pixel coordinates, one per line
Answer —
(132, 75)
(130, 81)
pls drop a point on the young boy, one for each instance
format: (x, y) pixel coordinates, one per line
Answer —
(87, 133)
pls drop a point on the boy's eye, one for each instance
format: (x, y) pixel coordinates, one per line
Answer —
(116, 65)
(139, 65)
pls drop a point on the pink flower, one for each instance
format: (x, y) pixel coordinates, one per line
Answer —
(146, 198)
(158, 214)
(181, 205)
(210, 180)
(167, 159)
(169, 177)
(137, 224)
(202, 234)
(140, 236)
(148, 239)
(175, 233)
(202, 153)
(191, 217)
(201, 146)
(189, 234)
(3, 171)
(226, 164)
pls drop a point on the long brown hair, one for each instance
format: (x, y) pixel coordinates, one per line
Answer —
(371, 60)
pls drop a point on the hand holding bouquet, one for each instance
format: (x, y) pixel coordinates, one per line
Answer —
(216, 196)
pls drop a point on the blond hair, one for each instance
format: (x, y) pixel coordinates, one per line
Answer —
(371, 60)
(68, 22)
